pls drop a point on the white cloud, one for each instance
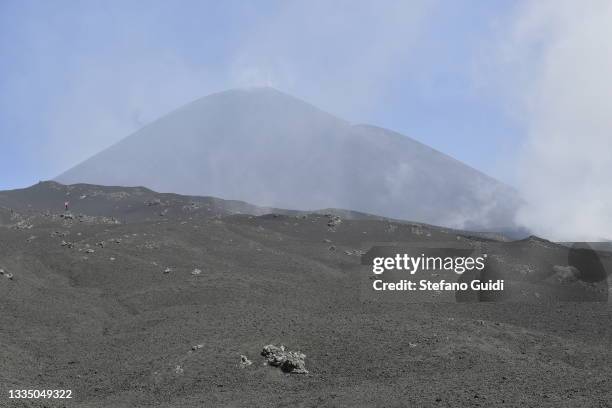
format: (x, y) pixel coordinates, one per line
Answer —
(557, 59)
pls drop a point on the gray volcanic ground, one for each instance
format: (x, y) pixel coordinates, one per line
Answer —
(140, 299)
(265, 147)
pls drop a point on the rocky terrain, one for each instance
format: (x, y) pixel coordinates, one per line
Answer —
(133, 298)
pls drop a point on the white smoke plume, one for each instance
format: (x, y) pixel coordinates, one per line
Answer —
(558, 59)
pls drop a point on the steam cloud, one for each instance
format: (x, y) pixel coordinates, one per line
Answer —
(561, 55)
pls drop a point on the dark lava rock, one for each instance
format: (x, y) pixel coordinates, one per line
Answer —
(288, 361)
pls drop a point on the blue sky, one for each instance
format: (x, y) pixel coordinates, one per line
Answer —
(78, 76)
(518, 89)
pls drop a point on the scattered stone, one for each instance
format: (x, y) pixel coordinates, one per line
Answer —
(90, 251)
(391, 228)
(8, 276)
(288, 361)
(525, 270)
(111, 258)
(118, 195)
(416, 229)
(191, 207)
(356, 252)
(274, 354)
(334, 221)
(150, 245)
(332, 248)
(167, 270)
(67, 244)
(178, 370)
(154, 202)
(197, 347)
(100, 244)
(244, 361)
(30, 239)
(196, 272)
(327, 241)
(566, 274)
(23, 225)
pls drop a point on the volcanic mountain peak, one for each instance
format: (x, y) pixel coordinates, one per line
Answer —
(268, 148)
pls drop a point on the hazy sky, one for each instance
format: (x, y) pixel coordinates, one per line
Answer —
(519, 90)
(77, 76)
